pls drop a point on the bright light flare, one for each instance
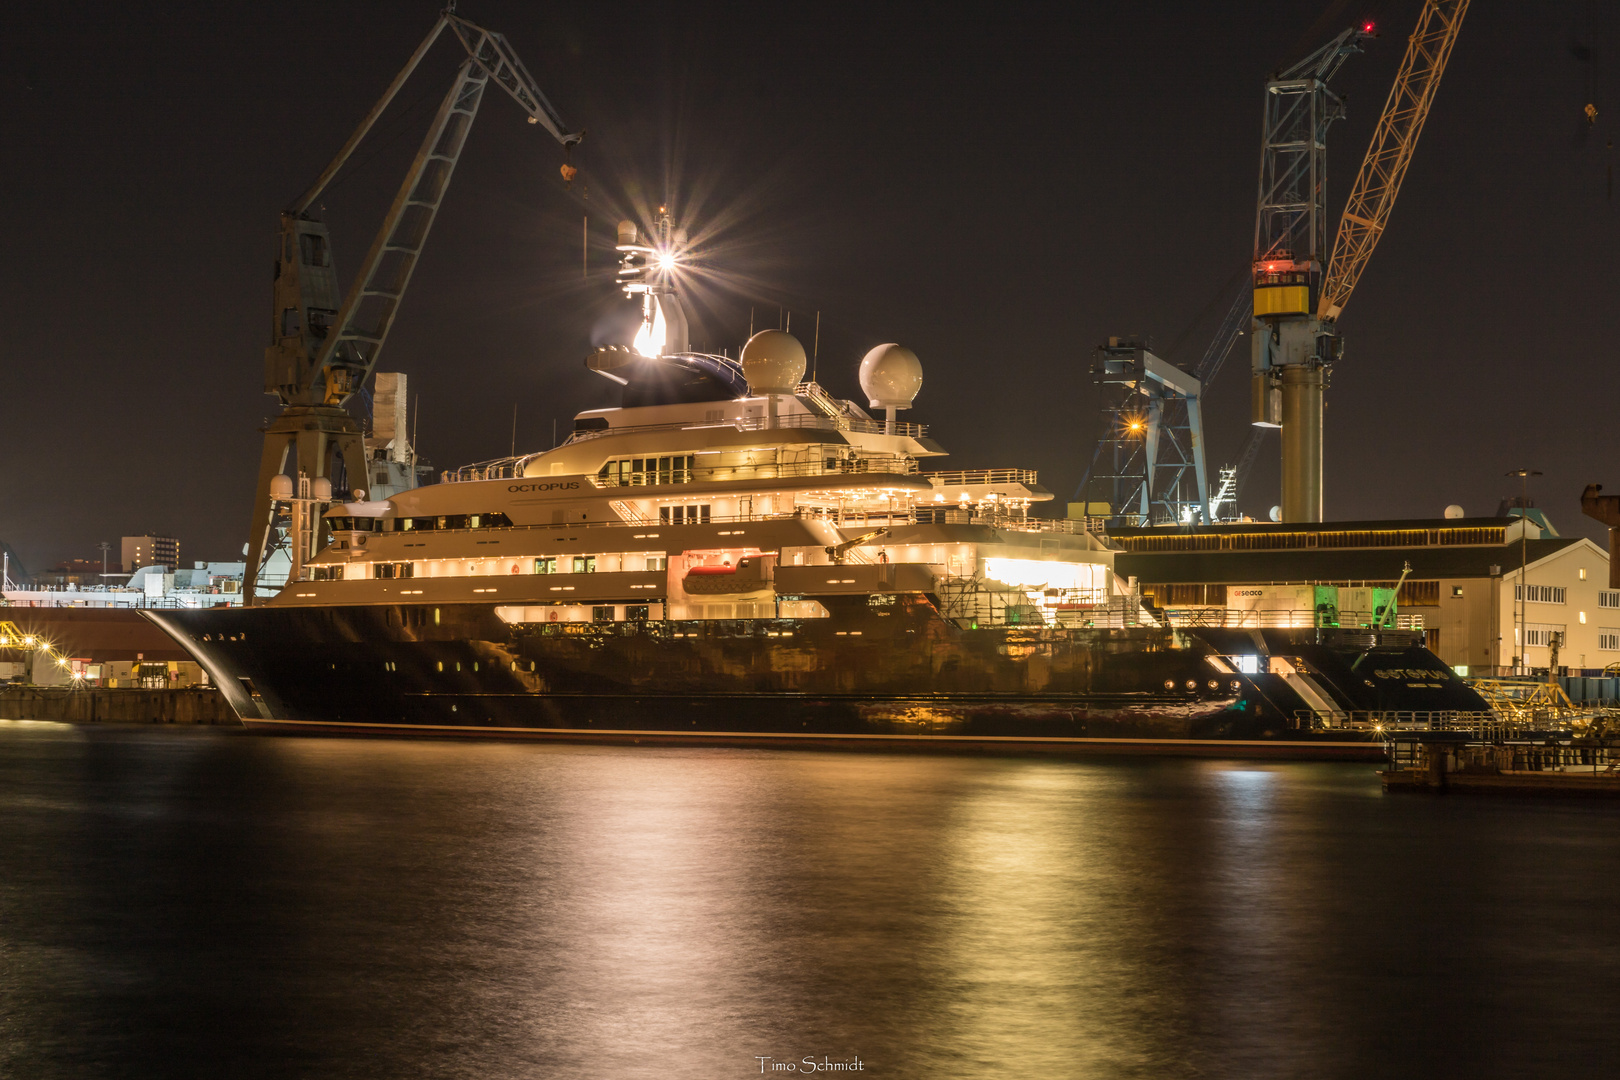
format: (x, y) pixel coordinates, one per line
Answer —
(667, 261)
(654, 333)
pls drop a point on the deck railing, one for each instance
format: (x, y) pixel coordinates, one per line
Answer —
(971, 477)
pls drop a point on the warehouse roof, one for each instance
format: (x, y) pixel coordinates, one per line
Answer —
(1318, 564)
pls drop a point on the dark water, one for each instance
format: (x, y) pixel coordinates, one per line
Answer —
(209, 904)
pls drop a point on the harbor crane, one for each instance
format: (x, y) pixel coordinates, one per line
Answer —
(1145, 486)
(325, 345)
(1299, 293)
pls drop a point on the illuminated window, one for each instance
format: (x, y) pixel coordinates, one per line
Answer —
(683, 515)
(1583, 573)
(640, 472)
(584, 564)
(545, 566)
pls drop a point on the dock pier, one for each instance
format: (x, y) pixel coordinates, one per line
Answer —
(1530, 763)
(202, 705)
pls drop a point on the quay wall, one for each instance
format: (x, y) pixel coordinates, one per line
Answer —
(103, 705)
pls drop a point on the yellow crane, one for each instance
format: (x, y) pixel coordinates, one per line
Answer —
(1372, 197)
(1298, 294)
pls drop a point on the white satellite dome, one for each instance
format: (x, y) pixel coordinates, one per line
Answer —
(1276, 513)
(773, 362)
(1454, 511)
(891, 375)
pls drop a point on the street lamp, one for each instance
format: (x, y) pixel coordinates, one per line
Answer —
(1524, 476)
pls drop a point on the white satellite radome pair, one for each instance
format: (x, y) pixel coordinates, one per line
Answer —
(891, 375)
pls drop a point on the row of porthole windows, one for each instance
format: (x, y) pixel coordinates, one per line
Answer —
(456, 665)
(1192, 684)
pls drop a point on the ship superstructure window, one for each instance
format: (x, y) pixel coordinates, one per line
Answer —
(683, 515)
(644, 472)
(326, 573)
(545, 566)
(354, 524)
(393, 570)
(584, 564)
(453, 521)
(602, 613)
(1540, 594)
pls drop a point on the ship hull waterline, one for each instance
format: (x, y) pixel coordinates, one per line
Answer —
(367, 671)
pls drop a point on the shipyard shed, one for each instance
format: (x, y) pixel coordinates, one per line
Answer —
(1464, 582)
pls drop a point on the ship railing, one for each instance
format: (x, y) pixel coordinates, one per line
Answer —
(820, 399)
(1066, 526)
(1286, 619)
(763, 423)
(1485, 724)
(979, 477)
(955, 515)
(880, 464)
(506, 468)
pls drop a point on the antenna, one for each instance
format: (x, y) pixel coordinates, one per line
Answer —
(815, 348)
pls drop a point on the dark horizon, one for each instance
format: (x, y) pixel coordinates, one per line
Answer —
(999, 195)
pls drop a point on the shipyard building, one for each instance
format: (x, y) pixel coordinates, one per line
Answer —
(1493, 596)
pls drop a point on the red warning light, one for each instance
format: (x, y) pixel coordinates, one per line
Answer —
(1367, 27)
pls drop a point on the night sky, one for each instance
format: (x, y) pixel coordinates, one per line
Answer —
(999, 192)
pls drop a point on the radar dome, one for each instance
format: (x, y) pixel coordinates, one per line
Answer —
(281, 486)
(1454, 511)
(891, 375)
(1276, 513)
(773, 362)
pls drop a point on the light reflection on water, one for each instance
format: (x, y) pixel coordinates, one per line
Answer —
(178, 903)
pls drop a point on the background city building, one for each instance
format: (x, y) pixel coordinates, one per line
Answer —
(141, 551)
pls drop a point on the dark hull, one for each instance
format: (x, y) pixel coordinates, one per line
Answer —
(892, 677)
